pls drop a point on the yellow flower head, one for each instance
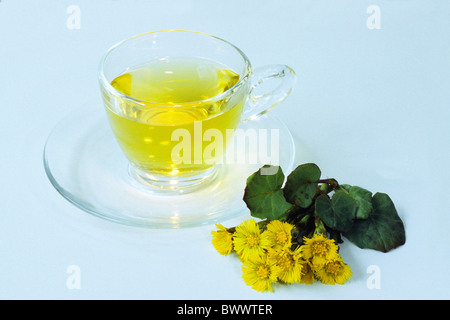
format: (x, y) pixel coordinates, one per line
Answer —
(319, 249)
(307, 272)
(260, 273)
(288, 261)
(222, 240)
(248, 241)
(279, 234)
(334, 271)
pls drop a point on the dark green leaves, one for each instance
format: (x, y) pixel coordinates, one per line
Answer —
(264, 196)
(363, 198)
(383, 229)
(322, 205)
(337, 213)
(301, 185)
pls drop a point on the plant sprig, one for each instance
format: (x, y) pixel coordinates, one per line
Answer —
(316, 205)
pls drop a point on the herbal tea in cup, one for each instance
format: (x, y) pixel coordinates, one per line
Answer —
(165, 93)
(145, 130)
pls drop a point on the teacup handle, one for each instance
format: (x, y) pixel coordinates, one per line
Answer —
(281, 77)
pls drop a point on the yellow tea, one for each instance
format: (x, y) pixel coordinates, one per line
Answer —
(170, 94)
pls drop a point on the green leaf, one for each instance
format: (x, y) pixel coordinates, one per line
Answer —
(383, 230)
(337, 213)
(364, 199)
(264, 196)
(301, 184)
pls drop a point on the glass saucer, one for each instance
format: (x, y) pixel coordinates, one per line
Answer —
(86, 166)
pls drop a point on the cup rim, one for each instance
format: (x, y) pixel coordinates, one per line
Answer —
(106, 84)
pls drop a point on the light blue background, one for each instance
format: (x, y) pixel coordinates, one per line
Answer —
(371, 108)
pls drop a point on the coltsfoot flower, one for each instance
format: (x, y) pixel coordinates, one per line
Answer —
(274, 255)
(279, 234)
(319, 249)
(248, 240)
(260, 273)
(307, 276)
(334, 271)
(288, 261)
(222, 240)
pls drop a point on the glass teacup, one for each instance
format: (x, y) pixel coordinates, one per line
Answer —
(170, 94)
